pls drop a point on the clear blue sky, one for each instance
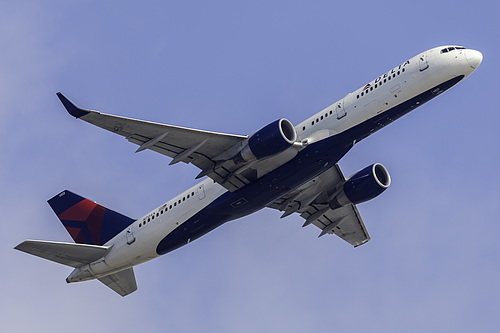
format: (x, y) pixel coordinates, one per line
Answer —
(233, 66)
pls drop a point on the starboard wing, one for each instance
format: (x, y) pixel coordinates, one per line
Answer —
(311, 201)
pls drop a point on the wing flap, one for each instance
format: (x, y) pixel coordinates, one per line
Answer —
(69, 254)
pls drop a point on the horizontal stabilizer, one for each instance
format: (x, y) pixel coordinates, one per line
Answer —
(122, 282)
(69, 254)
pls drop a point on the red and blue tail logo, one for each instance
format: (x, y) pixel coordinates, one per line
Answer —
(86, 221)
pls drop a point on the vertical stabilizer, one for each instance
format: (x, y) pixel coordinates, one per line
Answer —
(86, 221)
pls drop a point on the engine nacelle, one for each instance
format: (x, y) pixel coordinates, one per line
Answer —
(362, 186)
(271, 140)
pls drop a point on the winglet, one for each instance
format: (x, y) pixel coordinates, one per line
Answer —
(73, 110)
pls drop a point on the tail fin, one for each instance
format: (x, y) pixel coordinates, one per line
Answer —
(86, 221)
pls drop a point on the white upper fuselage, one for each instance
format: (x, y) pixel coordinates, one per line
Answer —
(411, 78)
(430, 69)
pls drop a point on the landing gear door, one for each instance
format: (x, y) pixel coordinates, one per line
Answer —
(423, 62)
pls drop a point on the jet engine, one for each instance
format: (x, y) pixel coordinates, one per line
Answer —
(270, 140)
(362, 186)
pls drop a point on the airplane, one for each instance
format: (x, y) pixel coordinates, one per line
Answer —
(293, 169)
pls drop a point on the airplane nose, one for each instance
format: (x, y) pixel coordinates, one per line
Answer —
(474, 58)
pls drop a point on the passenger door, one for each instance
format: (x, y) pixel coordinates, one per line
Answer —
(201, 192)
(340, 110)
(423, 62)
(130, 235)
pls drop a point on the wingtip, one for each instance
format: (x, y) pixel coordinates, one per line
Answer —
(72, 109)
(18, 246)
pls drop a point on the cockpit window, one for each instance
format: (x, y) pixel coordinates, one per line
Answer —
(449, 49)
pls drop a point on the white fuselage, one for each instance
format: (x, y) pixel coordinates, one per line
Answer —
(420, 74)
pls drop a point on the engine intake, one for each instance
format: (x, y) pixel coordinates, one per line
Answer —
(270, 140)
(362, 186)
